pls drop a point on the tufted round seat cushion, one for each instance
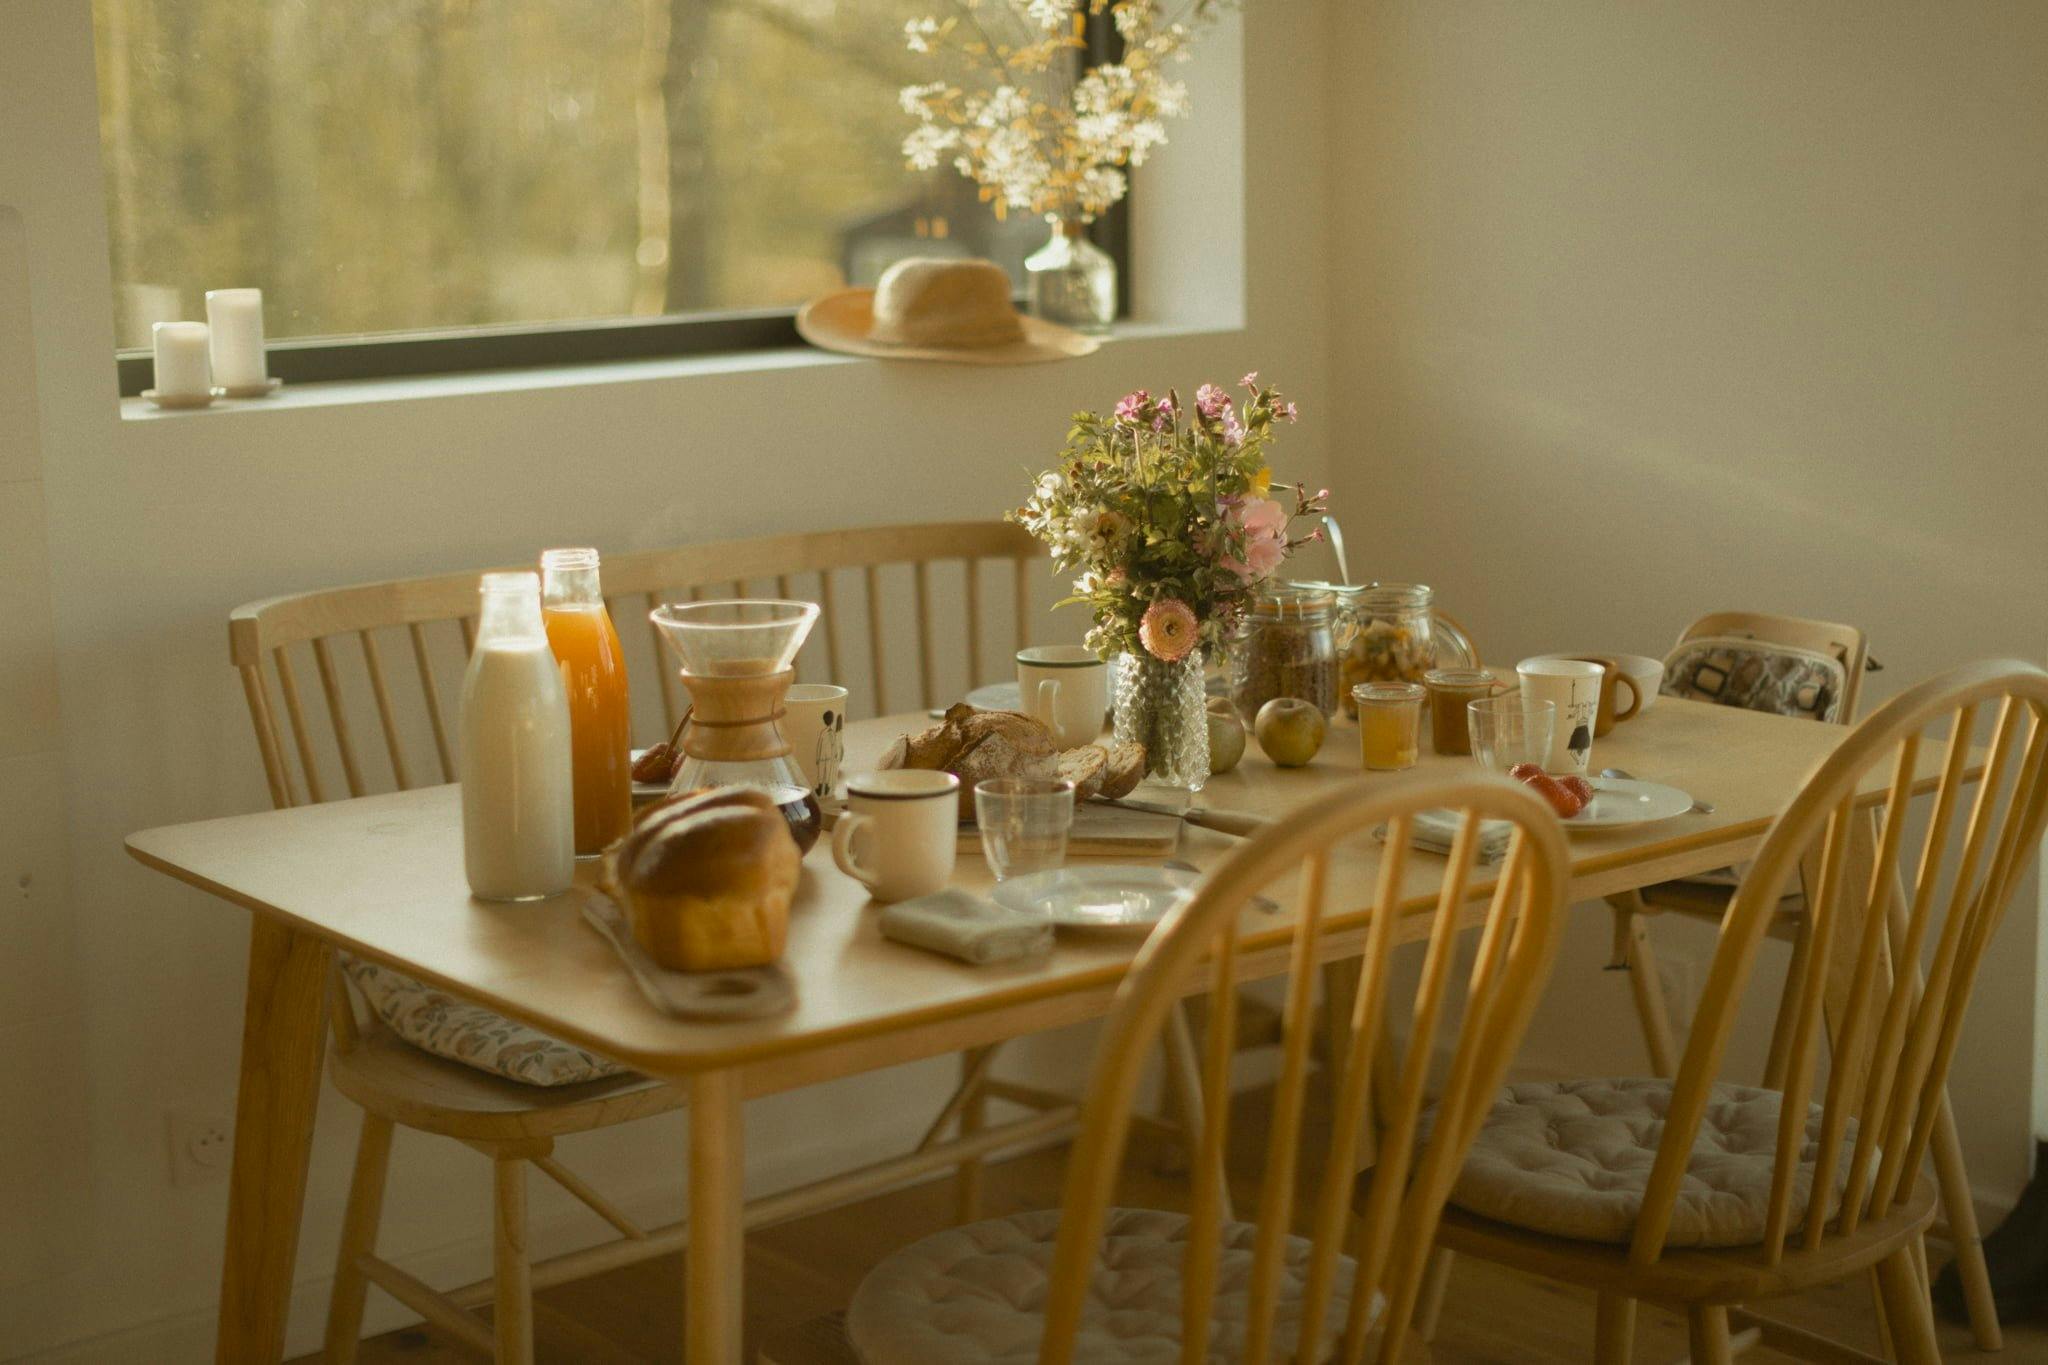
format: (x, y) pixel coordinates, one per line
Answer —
(1572, 1159)
(973, 1295)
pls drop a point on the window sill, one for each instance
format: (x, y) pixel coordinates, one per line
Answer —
(346, 393)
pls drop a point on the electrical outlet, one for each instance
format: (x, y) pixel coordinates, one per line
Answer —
(202, 1145)
(1678, 975)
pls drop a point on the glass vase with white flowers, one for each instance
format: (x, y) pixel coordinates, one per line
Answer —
(1019, 111)
(1164, 514)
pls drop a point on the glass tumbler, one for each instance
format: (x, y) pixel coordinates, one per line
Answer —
(1389, 724)
(1024, 823)
(1510, 730)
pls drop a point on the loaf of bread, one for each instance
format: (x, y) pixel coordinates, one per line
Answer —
(706, 879)
(976, 745)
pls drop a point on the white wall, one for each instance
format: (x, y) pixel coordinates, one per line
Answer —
(1649, 310)
(125, 542)
(1747, 304)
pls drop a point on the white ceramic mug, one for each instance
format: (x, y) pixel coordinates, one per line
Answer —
(1574, 685)
(813, 715)
(1067, 688)
(900, 832)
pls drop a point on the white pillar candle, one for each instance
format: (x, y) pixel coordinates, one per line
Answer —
(182, 371)
(236, 317)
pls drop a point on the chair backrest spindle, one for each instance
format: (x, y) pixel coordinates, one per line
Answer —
(1914, 1024)
(1520, 923)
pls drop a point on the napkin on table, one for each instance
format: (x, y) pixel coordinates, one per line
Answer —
(968, 927)
(1434, 829)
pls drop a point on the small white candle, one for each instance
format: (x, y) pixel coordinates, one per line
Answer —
(236, 316)
(182, 371)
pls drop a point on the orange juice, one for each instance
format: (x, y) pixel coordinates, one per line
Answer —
(600, 722)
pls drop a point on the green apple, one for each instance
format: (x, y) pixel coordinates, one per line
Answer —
(1290, 730)
(1226, 739)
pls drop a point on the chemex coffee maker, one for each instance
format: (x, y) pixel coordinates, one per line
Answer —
(738, 660)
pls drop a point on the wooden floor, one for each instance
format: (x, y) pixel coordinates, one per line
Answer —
(811, 1266)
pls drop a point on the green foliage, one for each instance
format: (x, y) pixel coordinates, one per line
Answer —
(1161, 503)
(390, 165)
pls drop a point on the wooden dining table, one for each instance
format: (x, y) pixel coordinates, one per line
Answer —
(382, 877)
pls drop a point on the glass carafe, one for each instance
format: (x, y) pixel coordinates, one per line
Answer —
(738, 659)
(1396, 635)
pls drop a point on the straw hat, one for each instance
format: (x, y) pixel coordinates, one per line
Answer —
(933, 308)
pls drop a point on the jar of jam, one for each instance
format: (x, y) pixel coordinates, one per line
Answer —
(1451, 692)
(1389, 724)
(1287, 647)
(1394, 633)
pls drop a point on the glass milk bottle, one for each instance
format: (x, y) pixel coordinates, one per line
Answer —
(517, 821)
(594, 675)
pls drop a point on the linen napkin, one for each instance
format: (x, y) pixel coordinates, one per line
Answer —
(1435, 829)
(975, 930)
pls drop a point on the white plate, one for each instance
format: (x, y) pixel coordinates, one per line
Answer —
(1621, 802)
(995, 697)
(646, 791)
(1126, 899)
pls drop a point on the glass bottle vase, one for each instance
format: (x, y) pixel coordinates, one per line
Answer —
(1072, 281)
(1163, 706)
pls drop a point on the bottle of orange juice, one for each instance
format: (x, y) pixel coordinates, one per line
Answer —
(594, 675)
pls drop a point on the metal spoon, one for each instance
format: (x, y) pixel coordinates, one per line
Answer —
(1270, 907)
(1337, 545)
(1621, 775)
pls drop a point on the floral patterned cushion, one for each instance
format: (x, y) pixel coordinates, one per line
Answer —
(1756, 676)
(448, 1026)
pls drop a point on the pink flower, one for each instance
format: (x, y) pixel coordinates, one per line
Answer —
(1131, 404)
(1233, 430)
(1211, 401)
(1250, 381)
(1284, 411)
(1168, 630)
(1164, 418)
(1264, 523)
(1264, 517)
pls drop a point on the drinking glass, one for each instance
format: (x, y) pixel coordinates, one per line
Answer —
(1510, 730)
(1024, 823)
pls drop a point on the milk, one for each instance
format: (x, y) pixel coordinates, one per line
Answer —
(518, 787)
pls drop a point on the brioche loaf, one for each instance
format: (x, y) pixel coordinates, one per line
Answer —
(706, 879)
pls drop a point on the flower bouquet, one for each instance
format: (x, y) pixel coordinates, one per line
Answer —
(1163, 513)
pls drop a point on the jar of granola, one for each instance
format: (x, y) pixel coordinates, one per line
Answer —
(1288, 646)
(1394, 634)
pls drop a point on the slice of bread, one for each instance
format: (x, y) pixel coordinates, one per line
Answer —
(1084, 767)
(1126, 769)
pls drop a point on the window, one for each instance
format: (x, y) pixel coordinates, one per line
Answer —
(431, 185)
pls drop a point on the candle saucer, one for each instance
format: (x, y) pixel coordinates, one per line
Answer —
(263, 390)
(178, 401)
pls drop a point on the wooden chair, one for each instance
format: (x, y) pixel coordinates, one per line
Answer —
(1894, 1035)
(1633, 952)
(1708, 900)
(1315, 1289)
(348, 634)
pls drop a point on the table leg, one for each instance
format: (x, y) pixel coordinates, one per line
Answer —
(284, 1017)
(713, 1294)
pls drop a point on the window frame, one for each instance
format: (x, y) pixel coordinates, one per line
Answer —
(465, 350)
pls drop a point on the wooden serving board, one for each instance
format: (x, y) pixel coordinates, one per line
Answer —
(1107, 832)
